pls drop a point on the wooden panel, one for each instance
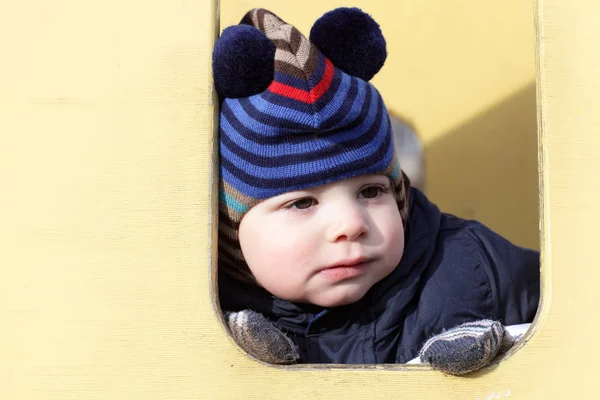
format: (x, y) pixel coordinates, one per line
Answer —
(107, 229)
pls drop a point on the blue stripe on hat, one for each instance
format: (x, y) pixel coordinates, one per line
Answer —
(301, 106)
(275, 111)
(257, 169)
(323, 146)
(396, 171)
(291, 109)
(250, 117)
(271, 112)
(232, 108)
(354, 97)
(302, 83)
(357, 116)
(273, 187)
(313, 108)
(319, 71)
(242, 122)
(232, 203)
(328, 96)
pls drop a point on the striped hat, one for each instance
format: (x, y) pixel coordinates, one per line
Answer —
(297, 114)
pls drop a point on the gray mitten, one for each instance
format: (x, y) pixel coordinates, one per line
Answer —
(260, 338)
(467, 347)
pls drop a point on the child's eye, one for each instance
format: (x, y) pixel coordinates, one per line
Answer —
(302, 204)
(372, 192)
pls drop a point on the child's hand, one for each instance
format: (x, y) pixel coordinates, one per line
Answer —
(260, 338)
(467, 347)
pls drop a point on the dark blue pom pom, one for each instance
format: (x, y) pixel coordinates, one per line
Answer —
(352, 40)
(243, 62)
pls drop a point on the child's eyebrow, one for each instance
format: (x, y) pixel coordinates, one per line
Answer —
(376, 178)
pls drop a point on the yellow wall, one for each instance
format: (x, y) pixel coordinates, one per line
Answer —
(107, 218)
(462, 73)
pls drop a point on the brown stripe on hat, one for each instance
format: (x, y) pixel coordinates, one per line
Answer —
(313, 60)
(229, 242)
(228, 217)
(224, 218)
(288, 63)
(237, 196)
(294, 70)
(291, 46)
(229, 231)
(229, 213)
(402, 189)
(236, 269)
(279, 42)
(290, 39)
(300, 46)
(295, 38)
(242, 198)
(258, 18)
(235, 252)
(288, 58)
(282, 66)
(270, 22)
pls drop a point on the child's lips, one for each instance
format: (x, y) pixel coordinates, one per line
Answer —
(345, 270)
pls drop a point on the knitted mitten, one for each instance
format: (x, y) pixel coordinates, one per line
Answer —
(260, 338)
(467, 347)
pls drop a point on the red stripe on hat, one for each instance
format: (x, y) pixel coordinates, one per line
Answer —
(322, 86)
(291, 92)
(302, 95)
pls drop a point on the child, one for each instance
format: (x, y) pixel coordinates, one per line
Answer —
(321, 236)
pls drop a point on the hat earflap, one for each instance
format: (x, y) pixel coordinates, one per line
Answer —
(352, 40)
(242, 62)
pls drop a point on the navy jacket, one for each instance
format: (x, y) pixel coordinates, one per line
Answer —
(452, 271)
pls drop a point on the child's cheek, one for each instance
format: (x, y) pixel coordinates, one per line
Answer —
(395, 240)
(296, 248)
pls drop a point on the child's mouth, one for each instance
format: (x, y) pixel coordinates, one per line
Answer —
(342, 272)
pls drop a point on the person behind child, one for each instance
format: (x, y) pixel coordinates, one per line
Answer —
(320, 232)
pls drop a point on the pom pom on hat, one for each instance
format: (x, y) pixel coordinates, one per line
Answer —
(243, 62)
(352, 40)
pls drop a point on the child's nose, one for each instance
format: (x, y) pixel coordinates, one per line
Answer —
(347, 222)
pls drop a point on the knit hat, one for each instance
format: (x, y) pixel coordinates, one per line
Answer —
(297, 114)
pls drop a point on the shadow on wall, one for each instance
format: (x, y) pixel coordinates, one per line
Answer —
(486, 169)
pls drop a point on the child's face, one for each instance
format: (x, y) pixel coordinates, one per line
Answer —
(326, 245)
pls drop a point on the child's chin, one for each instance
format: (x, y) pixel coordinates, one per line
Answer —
(339, 298)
